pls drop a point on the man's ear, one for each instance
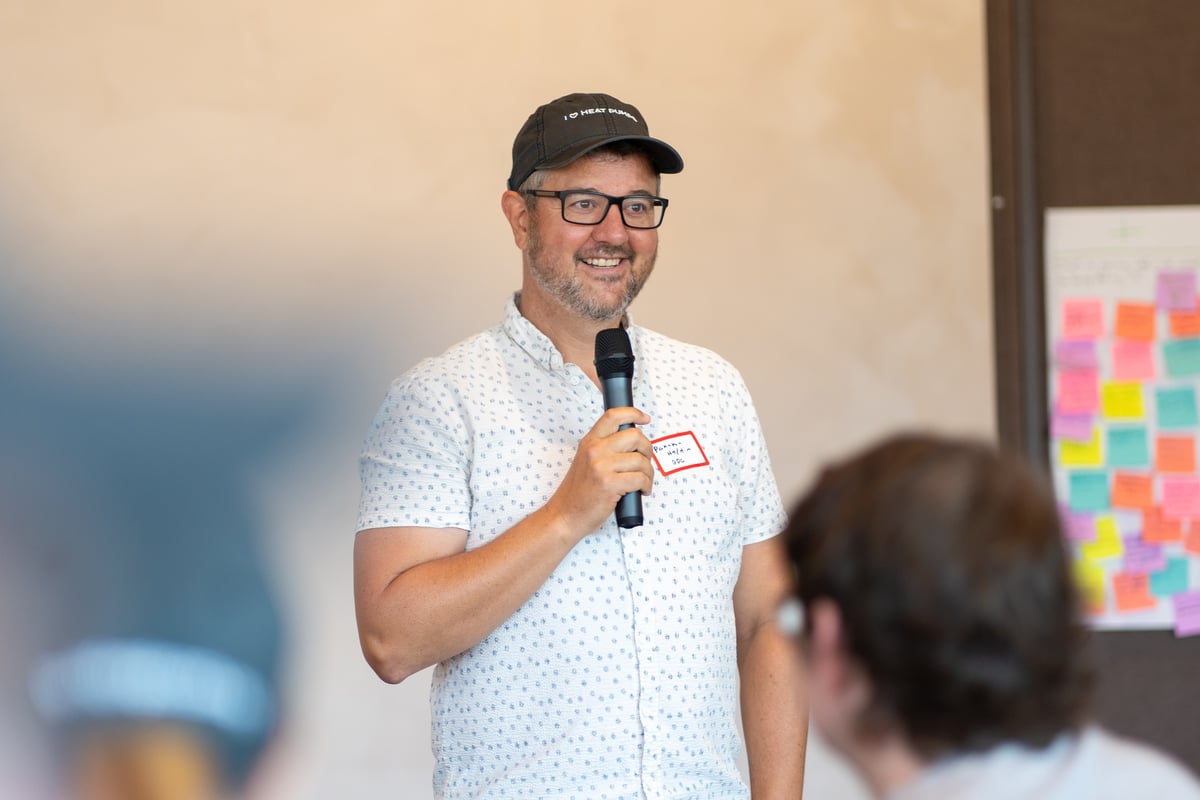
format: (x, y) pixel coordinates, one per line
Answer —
(517, 213)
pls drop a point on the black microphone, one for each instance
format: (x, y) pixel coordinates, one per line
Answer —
(614, 366)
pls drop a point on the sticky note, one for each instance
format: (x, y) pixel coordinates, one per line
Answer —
(1191, 542)
(1184, 323)
(1180, 498)
(1075, 354)
(1082, 318)
(1107, 543)
(1122, 400)
(1083, 454)
(1135, 321)
(1128, 446)
(1142, 557)
(1130, 490)
(1079, 527)
(1132, 361)
(1182, 357)
(1175, 290)
(1156, 529)
(1131, 591)
(1171, 579)
(1187, 613)
(1072, 427)
(1176, 407)
(1175, 454)
(1079, 391)
(1090, 580)
(1087, 491)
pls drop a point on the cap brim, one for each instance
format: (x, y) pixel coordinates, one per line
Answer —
(664, 158)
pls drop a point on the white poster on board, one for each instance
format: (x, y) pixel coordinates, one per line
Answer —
(1123, 356)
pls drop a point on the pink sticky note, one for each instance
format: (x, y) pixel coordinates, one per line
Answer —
(1176, 290)
(1082, 318)
(1075, 354)
(1180, 498)
(1187, 613)
(1079, 391)
(1132, 360)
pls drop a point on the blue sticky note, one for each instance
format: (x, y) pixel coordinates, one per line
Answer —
(1172, 580)
(1182, 357)
(1128, 447)
(1088, 491)
(1177, 407)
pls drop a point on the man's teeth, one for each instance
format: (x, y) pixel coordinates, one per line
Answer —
(602, 262)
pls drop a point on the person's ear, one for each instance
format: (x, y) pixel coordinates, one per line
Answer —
(517, 213)
(834, 668)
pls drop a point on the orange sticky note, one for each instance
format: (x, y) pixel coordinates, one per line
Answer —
(1082, 318)
(1131, 591)
(1132, 491)
(1184, 324)
(1191, 542)
(1135, 321)
(1175, 454)
(1156, 529)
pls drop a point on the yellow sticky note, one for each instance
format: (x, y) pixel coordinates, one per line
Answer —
(1122, 400)
(1108, 541)
(1082, 454)
(1090, 580)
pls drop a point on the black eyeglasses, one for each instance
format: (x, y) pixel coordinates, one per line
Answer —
(642, 211)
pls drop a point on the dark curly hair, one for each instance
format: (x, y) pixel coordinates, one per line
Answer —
(946, 561)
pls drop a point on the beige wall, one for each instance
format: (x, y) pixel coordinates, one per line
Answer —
(284, 187)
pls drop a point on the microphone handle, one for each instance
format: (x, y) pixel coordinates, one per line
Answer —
(618, 393)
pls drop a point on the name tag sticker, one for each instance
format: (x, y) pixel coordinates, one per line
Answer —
(677, 452)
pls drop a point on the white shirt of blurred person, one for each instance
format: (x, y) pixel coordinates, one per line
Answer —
(575, 659)
(941, 631)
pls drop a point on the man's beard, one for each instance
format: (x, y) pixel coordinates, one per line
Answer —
(568, 288)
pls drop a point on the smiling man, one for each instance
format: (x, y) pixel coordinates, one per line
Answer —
(574, 657)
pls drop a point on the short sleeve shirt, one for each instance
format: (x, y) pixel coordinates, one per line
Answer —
(618, 677)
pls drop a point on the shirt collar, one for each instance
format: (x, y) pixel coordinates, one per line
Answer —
(526, 335)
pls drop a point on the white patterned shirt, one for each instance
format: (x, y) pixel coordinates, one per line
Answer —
(618, 677)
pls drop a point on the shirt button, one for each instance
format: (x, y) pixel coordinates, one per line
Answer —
(574, 380)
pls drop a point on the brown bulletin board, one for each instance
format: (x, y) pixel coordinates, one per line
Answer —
(1092, 103)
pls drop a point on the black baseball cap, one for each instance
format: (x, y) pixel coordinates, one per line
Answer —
(562, 130)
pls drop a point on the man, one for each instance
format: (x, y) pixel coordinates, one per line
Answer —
(942, 635)
(575, 658)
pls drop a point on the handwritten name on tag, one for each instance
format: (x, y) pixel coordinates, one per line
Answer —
(679, 451)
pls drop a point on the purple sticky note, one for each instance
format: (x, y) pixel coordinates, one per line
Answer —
(1075, 354)
(1078, 527)
(1071, 427)
(1176, 290)
(1187, 613)
(1142, 557)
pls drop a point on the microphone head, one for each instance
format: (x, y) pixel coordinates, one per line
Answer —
(614, 353)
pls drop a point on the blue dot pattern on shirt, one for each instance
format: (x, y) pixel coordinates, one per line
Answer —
(618, 678)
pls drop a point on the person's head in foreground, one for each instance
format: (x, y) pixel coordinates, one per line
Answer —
(941, 629)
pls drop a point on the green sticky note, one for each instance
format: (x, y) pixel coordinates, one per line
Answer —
(1172, 580)
(1182, 357)
(1177, 407)
(1088, 491)
(1128, 447)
